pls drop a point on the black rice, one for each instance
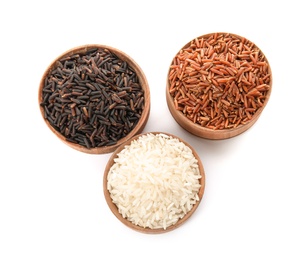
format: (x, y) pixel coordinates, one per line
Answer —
(92, 99)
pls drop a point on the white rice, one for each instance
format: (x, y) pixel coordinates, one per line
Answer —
(154, 181)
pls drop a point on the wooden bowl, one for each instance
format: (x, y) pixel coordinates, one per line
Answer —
(218, 85)
(114, 208)
(98, 79)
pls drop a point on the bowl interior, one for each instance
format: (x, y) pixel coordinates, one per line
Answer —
(218, 85)
(127, 222)
(92, 77)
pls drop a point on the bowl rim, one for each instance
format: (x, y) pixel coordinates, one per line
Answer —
(208, 133)
(148, 230)
(143, 82)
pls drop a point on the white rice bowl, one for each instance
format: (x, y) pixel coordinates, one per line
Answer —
(154, 181)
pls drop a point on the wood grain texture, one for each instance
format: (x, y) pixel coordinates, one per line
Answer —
(129, 224)
(143, 82)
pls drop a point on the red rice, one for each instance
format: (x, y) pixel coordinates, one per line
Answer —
(219, 81)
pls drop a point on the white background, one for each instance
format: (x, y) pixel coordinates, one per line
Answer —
(255, 204)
